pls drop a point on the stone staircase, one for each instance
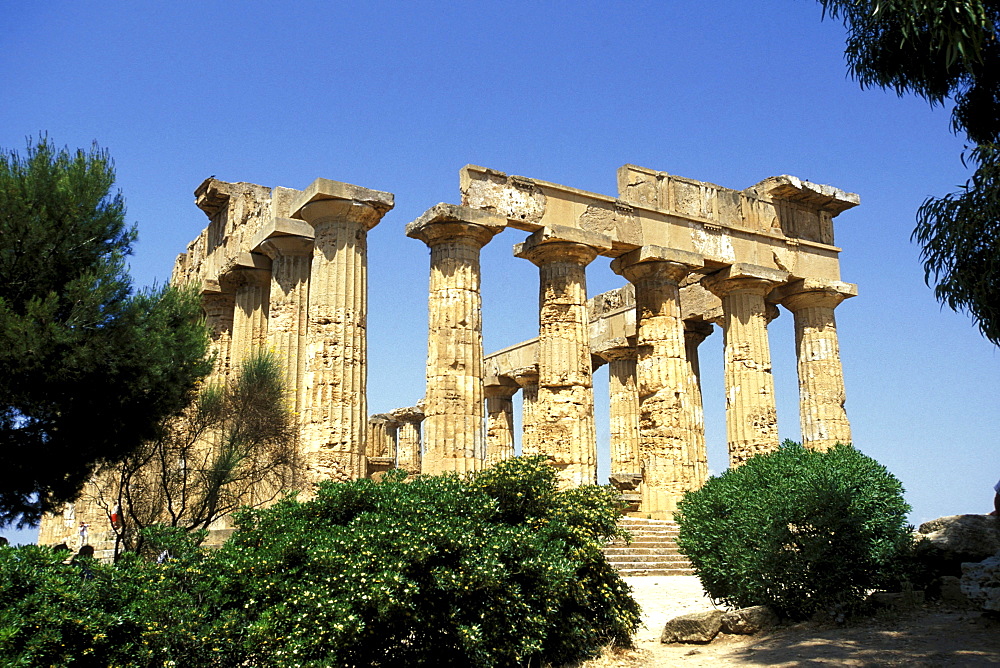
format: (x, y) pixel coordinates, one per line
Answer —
(653, 550)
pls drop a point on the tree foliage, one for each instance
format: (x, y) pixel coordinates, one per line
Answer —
(88, 368)
(940, 50)
(800, 530)
(234, 446)
(499, 570)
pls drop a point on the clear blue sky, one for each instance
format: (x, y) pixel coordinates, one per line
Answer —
(399, 96)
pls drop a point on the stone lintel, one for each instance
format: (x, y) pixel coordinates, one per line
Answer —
(813, 195)
(560, 234)
(657, 254)
(213, 195)
(454, 213)
(282, 227)
(324, 189)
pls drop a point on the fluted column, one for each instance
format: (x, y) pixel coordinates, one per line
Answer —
(751, 415)
(288, 315)
(334, 403)
(408, 446)
(251, 286)
(565, 406)
(821, 376)
(623, 397)
(527, 380)
(219, 306)
(499, 419)
(696, 331)
(453, 406)
(665, 430)
(381, 436)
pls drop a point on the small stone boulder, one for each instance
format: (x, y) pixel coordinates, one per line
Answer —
(981, 583)
(946, 543)
(748, 621)
(697, 627)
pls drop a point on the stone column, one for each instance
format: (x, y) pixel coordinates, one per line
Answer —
(565, 406)
(288, 316)
(408, 438)
(219, 307)
(251, 282)
(334, 403)
(527, 380)
(751, 416)
(665, 430)
(696, 331)
(453, 407)
(623, 408)
(821, 377)
(381, 436)
(499, 419)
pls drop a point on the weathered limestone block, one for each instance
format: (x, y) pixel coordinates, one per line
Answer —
(696, 627)
(499, 418)
(408, 445)
(821, 377)
(624, 406)
(662, 376)
(250, 280)
(564, 411)
(981, 583)
(946, 542)
(748, 621)
(453, 426)
(219, 308)
(751, 416)
(336, 373)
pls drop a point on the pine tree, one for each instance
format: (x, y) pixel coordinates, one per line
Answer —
(88, 367)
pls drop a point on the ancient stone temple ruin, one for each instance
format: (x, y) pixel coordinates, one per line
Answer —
(287, 269)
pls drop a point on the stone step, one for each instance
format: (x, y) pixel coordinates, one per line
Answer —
(650, 560)
(639, 551)
(652, 550)
(653, 572)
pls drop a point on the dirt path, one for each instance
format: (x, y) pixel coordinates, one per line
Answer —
(930, 636)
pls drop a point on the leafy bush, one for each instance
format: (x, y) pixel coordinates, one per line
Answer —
(498, 570)
(803, 531)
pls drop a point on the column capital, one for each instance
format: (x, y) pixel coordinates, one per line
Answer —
(744, 278)
(525, 376)
(450, 222)
(246, 269)
(286, 246)
(656, 261)
(562, 244)
(411, 414)
(500, 387)
(697, 330)
(277, 228)
(618, 348)
(810, 292)
(327, 201)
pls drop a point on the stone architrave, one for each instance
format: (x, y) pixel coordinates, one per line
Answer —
(821, 376)
(219, 306)
(751, 415)
(662, 376)
(564, 411)
(453, 406)
(696, 331)
(499, 418)
(408, 445)
(250, 280)
(334, 403)
(623, 399)
(527, 380)
(288, 316)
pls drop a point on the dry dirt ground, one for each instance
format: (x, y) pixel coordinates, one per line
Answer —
(933, 635)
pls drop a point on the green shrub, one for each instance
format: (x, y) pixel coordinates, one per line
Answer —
(803, 531)
(499, 570)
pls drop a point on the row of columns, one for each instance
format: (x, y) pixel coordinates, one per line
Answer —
(302, 292)
(657, 419)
